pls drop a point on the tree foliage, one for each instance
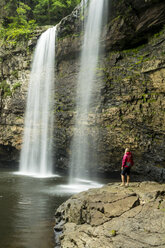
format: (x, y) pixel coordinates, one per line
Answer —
(16, 27)
(51, 11)
(42, 11)
(18, 17)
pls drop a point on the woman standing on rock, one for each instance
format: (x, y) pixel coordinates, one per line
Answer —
(127, 163)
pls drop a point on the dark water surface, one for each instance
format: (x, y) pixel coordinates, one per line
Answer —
(27, 207)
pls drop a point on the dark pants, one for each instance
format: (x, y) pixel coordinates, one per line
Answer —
(126, 170)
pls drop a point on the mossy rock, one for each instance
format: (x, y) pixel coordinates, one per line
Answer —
(5, 87)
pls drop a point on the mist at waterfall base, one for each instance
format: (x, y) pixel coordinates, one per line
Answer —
(81, 158)
(36, 153)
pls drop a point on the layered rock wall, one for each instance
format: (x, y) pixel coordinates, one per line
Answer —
(15, 61)
(128, 107)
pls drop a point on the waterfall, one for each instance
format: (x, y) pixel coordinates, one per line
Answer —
(80, 158)
(36, 153)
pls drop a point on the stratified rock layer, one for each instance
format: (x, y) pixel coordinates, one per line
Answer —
(15, 61)
(113, 217)
(128, 98)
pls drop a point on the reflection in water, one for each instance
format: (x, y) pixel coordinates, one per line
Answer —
(27, 211)
(31, 218)
(27, 207)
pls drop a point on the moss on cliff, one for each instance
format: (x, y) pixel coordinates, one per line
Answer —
(5, 89)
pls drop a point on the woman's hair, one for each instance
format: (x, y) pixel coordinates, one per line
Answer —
(127, 150)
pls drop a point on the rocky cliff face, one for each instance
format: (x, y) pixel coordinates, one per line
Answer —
(15, 61)
(129, 91)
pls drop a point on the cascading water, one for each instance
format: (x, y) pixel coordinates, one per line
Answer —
(36, 154)
(80, 158)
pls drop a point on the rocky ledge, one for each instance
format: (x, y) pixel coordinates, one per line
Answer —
(113, 216)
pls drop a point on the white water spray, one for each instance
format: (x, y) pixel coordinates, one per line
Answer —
(80, 158)
(36, 154)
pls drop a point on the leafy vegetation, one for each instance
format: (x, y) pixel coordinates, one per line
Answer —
(16, 27)
(42, 11)
(18, 18)
(5, 88)
(52, 11)
(16, 86)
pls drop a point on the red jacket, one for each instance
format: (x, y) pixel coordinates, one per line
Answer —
(127, 160)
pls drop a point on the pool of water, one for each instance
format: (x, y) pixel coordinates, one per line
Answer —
(27, 207)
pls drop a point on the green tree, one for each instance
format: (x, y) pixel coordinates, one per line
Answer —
(63, 7)
(52, 11)
(41, 12)
(17, 16)
(8, 8)
(18, 26)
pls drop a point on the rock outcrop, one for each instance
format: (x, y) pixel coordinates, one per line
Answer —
(113, 216)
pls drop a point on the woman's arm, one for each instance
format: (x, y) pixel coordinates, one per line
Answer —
(124, 161)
